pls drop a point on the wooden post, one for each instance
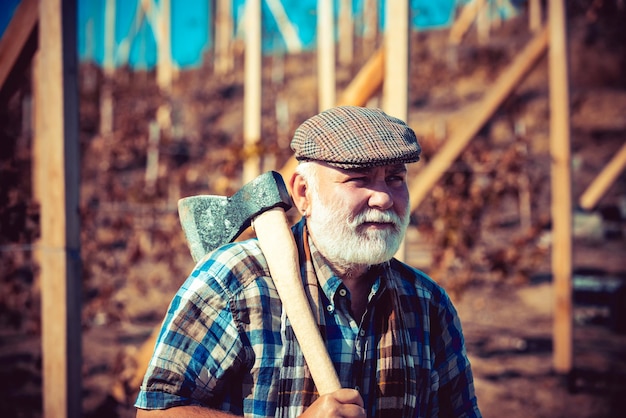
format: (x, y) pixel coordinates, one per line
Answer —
(465, 20)
(18, 44)
(143, 12)
(106, 108)
(285, 27)
(109, 38)
(561, 189)
(496, 18)
(252, 91)
(483, 22)
(164, 45)
(346, 33)
(152, 160)
(395, 86)
(534, 15)
(57, 114)
(223, 37)
(106, 89)
(325, 54)
(370, 25)
(367, 82)
(589, 199)
(494, 96)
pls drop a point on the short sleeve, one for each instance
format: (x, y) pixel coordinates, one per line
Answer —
(198, 347)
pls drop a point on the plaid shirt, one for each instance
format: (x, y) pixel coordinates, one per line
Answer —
(225, 341)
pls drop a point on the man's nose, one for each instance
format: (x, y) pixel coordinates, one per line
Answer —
(381, 198)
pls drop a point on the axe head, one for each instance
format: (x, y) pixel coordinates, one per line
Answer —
(212, 221)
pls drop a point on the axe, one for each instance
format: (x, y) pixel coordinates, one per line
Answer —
(211, 221)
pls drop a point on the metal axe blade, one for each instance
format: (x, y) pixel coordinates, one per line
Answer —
(210, 221)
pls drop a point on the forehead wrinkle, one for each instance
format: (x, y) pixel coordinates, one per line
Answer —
(395, 168)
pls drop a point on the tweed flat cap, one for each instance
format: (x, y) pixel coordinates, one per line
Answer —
(355, 137)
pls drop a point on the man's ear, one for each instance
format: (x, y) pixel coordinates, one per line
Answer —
(299, 188)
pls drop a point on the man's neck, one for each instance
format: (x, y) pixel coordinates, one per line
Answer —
(351, 273)
(359, 283)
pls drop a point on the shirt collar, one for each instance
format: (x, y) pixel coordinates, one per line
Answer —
(326, 277)
(330, 283)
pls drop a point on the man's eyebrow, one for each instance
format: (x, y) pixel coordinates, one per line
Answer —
(398, 168)
(359, 170)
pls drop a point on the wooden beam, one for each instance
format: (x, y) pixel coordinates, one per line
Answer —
(159, 17)
(560, 176)
(534, 15)
(346, 33)
(590, 197)
(164, 46)
(462, 24)
(57, 114)
(150, 10)
(143, 11)
(17, 47)
(224, 61)
(494, 96)
(106, 88)
(286, 28)
(370, 25)
(252, 91)
(395, 86)
(325, 55)
(483, 22)
(366, 83)
(109, 38)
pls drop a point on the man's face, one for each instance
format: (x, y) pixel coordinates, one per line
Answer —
(358, 217)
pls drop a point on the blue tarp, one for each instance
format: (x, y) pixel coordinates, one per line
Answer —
(191, 38)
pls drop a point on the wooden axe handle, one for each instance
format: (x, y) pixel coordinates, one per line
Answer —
(279, 248)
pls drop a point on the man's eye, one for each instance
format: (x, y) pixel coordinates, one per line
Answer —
(395, 179)
(357, 179)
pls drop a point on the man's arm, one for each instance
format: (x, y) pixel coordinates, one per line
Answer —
(343, 403)
(456, 392)
(182, 411)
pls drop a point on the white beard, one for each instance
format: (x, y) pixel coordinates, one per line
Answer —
(341, 239)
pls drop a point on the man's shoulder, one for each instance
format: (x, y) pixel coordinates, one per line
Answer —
(232, 266)
(415, 280)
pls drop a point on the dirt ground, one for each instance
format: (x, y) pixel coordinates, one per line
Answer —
(483, 232)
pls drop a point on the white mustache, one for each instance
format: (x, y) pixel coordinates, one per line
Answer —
(377, 216)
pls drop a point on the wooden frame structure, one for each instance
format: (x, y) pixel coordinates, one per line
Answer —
(561, 182)
(18, 46)
(397, 52)
(55, 37)
(56, 161)
(56, 132)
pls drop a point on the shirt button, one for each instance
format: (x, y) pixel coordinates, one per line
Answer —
(357, 388)
(362, 333)
(342, 292)
(330, 308)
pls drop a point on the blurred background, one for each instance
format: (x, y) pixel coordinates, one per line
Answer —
(165, 111)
